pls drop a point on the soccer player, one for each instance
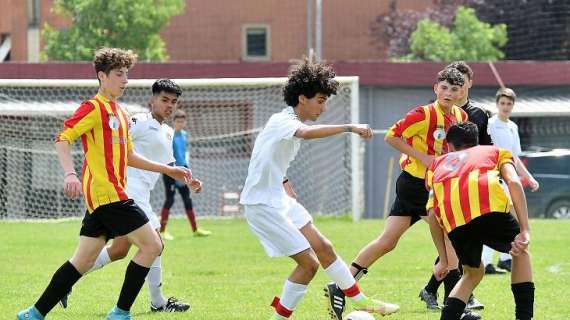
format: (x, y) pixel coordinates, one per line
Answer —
(420, 137)
(152, 138)
(102, 126)
(505, 134)
(170, 185)
(283, 226)
(480, 118)
(468, 201)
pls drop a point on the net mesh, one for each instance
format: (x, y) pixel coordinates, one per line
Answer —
(223, 121)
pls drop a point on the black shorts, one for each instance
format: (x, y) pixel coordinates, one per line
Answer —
(113, 220)
(495, 229)
(411, 197)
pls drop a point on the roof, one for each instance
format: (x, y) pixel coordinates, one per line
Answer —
(532, 106)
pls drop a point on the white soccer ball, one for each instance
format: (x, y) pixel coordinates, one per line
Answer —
(359, 315)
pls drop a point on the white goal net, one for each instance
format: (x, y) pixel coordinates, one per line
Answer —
(224, 117)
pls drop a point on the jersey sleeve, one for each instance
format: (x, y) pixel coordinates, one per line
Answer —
(83, 120)
(505, 156)
(412, 124)
(285, 128)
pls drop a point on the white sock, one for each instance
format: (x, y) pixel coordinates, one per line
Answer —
(505, 257)
(487, 256)
(154, 280)
(340, 274)
(103, 259)
(292, 294)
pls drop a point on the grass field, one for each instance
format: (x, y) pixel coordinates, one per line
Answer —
(228, 276)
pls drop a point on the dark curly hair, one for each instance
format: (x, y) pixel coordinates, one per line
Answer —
(107, 59)
(462, 67)
(166, 85)
(309, 78)
(452, 76)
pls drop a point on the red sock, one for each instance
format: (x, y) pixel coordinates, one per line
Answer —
(192, 218)
(164, 218)
(352, 291)
(280, 309)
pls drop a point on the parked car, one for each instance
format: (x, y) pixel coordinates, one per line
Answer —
(551, 168)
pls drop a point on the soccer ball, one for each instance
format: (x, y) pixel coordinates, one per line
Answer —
(359, 315)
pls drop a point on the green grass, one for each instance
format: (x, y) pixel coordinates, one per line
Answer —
(228, 276)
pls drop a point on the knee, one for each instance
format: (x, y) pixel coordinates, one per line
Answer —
(118, 253)
(311, 267)
(325, 249)
(386, 243)
(474, 275)
(153, 247)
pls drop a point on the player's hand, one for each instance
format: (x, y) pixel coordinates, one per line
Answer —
(72, 186)
(363, 130)
(195, 185)
(426, 159)
(440, 270)
(520, 244)
(533, 184)
(182, 174)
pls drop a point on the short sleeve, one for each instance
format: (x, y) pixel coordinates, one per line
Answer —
(412, 124)
(505, 156)
(82, 121)
(284, 127)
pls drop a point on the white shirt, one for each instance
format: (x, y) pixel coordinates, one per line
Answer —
(505, 134)
(153, 141)
(274, 149)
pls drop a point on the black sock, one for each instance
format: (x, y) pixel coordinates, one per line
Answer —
(61, 282)
(453, 309)
(433, 283)
(360, 271)
(450, 281)
(524, 300)
(134, 280)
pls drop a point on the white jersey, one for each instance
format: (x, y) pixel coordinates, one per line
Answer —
(505, 135)
(274, 149)
(153, 141)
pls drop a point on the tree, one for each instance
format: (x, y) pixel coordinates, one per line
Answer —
(469, 39)
(132, 24)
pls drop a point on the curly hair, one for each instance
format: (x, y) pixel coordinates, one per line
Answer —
(309, 78)
(452, 76)
(107, 59)
(462, 67)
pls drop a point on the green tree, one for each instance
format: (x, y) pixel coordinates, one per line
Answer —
(131, 24)
(469, 39)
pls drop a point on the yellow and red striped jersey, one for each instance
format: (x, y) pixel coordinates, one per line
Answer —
(424, 129)
(466, 184)
(104, 130)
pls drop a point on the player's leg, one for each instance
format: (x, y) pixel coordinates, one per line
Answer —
(169, 192)
(69, 273)
(190, 214)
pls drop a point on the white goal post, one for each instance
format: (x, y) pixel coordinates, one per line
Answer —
(224, 117)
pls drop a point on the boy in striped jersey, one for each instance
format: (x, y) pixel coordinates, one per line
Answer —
(468, 202)
(102, 126)
(420, 137)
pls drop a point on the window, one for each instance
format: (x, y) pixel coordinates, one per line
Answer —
(256, 42)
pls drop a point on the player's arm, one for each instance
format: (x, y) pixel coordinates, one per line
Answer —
(323, 131)
(137, 161)
(525, 174)
(509, 174)
(399, 144)
(71, 182)
(439, 269)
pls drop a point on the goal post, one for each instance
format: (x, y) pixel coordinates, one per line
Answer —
(224, 117)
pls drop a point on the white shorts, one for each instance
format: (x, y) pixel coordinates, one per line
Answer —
(278, 228)
(140, 193)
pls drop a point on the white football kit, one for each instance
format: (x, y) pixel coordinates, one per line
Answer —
(153, 141)
(273, 216)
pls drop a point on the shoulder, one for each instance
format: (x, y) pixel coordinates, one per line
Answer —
(419, 112)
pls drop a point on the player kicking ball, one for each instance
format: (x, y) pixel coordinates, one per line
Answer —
(152, 138)
(283, 226)
(468, 202)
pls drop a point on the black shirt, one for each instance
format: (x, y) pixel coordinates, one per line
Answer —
(480, 118)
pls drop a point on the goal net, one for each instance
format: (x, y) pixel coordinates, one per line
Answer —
(224, 118)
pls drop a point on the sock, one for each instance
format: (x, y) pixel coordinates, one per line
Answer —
(102, 260)
(61, 282)
(361, 271)
(340, 274)
(505, 257)
(453, 309)
(164, 213)
(154, 280)
(524, 300)
(292, 294)
(280, 311)
(450, 281)
(433, 284)
(192, 218)
(487, 256)
(134, 280)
